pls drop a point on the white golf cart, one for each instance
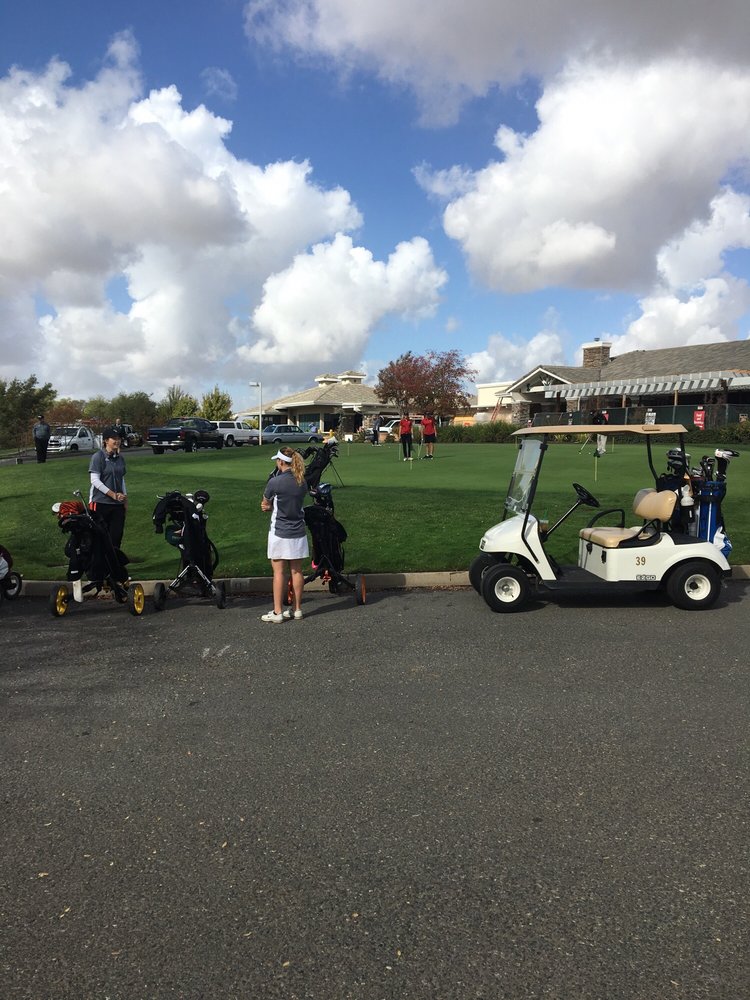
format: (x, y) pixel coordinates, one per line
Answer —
(514, 566)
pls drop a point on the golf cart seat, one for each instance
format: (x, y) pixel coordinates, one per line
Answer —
(655, 508)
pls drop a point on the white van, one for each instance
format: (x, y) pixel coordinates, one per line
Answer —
(236, 432)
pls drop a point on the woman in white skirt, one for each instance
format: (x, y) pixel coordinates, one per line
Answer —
(287, 534)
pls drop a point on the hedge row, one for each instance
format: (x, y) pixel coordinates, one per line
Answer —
(500, 432)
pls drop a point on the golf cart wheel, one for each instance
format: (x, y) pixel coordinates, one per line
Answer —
(12, 585)
(694, 586)
(220, 595)
(479, 566)
(360, 589)
(505, 587)
(160, 596)
(58, 600)
(136, 599)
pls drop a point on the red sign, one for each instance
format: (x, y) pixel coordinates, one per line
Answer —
(699, 419)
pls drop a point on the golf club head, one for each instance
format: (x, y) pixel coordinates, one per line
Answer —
(726, 453)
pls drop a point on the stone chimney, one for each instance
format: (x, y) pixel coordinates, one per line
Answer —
(596, 354)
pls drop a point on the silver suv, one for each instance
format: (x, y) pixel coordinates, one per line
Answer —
(288, 433)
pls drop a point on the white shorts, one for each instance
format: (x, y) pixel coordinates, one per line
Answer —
(287, 548)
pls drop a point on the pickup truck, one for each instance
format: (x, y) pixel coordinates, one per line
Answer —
(73, 437)
(236, 432)
(184, 434)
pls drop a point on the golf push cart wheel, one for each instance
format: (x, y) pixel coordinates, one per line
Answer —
(360, 588)
(136, 599)
(694, 586)
(220, 595)
(160, 596)
(12, 585)
(479, 566)
(505, 587)
(58, 600)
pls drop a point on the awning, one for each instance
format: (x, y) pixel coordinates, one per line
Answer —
(695, 382)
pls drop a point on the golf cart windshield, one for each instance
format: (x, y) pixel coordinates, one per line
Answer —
(520, 491)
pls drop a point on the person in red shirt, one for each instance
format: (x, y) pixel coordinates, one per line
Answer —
(429, 434)
(404, 430)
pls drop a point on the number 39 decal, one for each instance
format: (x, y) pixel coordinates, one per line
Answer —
(640, 560)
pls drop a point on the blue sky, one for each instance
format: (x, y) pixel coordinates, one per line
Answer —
(216, 193)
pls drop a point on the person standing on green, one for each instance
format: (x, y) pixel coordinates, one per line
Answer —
(429, 434)
(42, 435)
(108, 496)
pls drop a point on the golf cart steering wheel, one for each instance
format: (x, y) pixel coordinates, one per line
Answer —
(585, 497)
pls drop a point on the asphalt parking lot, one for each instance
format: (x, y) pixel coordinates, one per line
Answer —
(413, 799)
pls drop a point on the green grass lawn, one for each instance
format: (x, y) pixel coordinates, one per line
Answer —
(400, 516)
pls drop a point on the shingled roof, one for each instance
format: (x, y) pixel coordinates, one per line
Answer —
(726, 357)
(730, 355)
(330, 395)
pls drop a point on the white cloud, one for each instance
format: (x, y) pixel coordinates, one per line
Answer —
(505, 359)
(644, 117)
(320, 311)
(698, 252)
(219, 83)
(448, 51)
(710, 315)
(624, 159)
(99, 181)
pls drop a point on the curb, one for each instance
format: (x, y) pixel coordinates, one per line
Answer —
(264, 584)
(375, 581)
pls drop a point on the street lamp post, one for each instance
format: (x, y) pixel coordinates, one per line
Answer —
(259, 386)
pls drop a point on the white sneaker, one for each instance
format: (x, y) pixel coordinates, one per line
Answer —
(272, 617)
(297, 615)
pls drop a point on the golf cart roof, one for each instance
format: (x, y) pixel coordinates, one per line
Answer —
(645, 429)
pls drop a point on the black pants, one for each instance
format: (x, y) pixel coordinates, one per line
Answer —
(406, 445)
(41, 449)
(113, 515)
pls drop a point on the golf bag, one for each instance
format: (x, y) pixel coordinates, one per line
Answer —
(321, 459)
(678, 480)
(181, 518)
(91, 554)
(700, 492)
(328, 535)
(10, 582)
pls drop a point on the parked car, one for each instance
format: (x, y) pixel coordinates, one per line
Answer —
(391, 426)
(132, 438)
(184, 434)
(288, 434)
(73, 437)
(236, 432)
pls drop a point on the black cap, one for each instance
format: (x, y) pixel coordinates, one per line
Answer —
(110, 432)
